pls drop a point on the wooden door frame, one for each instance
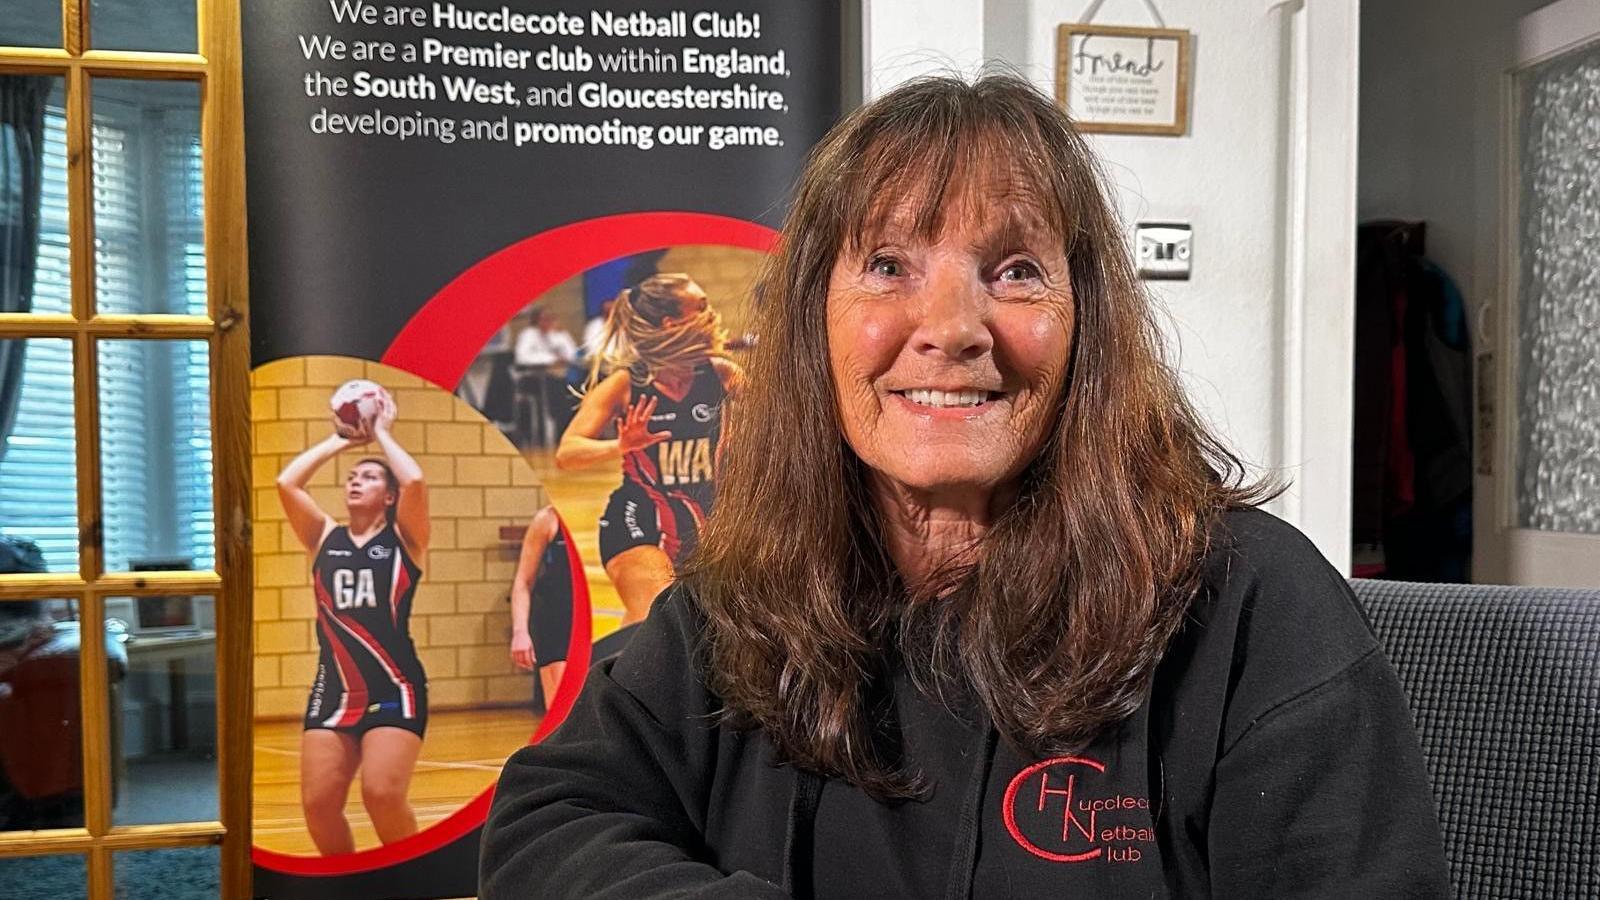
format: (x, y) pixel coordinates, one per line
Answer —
(216, 67)
(1524, 555)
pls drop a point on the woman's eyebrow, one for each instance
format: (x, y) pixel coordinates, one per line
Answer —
(1012, 231)
(892, 225)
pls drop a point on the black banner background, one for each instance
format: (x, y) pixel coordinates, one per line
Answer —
(350, 235)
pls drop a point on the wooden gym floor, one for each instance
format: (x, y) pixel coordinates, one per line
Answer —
(461, 756)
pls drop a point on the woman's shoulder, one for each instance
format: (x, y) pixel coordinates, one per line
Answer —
(1275, 613)
(1250, 546)
(332, 532)
(662, 666)
(1280, 583)
(1260, 557)
(617, 383)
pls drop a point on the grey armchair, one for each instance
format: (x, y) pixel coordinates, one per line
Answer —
(1505, 692)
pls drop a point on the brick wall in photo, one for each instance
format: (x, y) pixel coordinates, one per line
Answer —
(726, 273)
(477, 483)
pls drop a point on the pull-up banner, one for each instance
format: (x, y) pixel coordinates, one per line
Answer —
(473, 226)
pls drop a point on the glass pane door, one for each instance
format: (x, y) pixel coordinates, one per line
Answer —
(1558, 439)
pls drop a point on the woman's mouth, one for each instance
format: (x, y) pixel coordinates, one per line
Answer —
(958, 399)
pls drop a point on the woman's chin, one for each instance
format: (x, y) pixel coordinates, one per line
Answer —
(946, 478)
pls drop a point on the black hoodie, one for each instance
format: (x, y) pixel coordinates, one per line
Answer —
(1275, 757)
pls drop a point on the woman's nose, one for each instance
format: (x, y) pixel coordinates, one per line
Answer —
(954, 312)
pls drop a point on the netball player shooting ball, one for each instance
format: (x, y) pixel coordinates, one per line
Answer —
(369, 703)
(664, 396)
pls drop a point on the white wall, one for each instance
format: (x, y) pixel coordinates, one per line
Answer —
(1430, 125)
(1266, 178)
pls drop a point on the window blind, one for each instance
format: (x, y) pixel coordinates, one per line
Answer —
(38, 472)
(154, 416)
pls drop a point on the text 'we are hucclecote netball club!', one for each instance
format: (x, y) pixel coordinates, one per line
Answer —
(599, 23)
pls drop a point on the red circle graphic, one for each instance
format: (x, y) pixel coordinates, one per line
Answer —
(439, 343)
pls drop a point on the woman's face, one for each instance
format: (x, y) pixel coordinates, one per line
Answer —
(948, 354)
(366, 488)
(692, 302)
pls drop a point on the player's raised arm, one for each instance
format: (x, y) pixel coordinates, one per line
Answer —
(607, 402)
(309, 522)
(411, 507)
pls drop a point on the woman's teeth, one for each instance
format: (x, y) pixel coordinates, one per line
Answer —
(923, 397)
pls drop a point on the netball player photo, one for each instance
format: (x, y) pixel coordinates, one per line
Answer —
(368, 706)
(660, 390)
(541, 601)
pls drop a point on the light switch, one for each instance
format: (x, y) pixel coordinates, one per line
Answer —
(1164, 249)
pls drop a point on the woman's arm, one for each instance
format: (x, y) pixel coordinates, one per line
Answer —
(1318, 787)
(309, 522)
(608, 807)
(1327, 796)
(581, 445)
(411, 507)
(541, 531)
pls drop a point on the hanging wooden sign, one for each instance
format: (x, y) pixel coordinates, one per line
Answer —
(1115, 79)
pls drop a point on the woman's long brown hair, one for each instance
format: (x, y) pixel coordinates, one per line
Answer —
(1078, 586)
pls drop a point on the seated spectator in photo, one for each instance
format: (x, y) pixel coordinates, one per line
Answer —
(546, 359)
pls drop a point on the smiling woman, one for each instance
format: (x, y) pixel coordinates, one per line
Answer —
(983, 608)
(948, 352)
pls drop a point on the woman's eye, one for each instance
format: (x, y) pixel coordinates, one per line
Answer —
(887, 266)
(1020, 270)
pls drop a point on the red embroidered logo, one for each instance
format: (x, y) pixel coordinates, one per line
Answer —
(1053, 811)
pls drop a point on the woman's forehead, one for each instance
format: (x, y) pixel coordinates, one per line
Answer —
(910, 188)
(990, 206)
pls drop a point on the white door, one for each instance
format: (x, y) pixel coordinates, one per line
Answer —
(1546, 375)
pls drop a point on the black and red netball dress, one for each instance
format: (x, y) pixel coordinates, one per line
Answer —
(667, 488)
(550, 612)
(368, 674)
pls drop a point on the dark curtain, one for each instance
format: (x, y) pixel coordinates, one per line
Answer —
(22, 102)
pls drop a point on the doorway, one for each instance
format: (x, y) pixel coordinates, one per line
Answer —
(1476, 154)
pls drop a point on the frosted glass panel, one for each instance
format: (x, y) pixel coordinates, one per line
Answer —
(149, 218)
(1558, 452)
(155, 454)
(38, 462)
(164, 736)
